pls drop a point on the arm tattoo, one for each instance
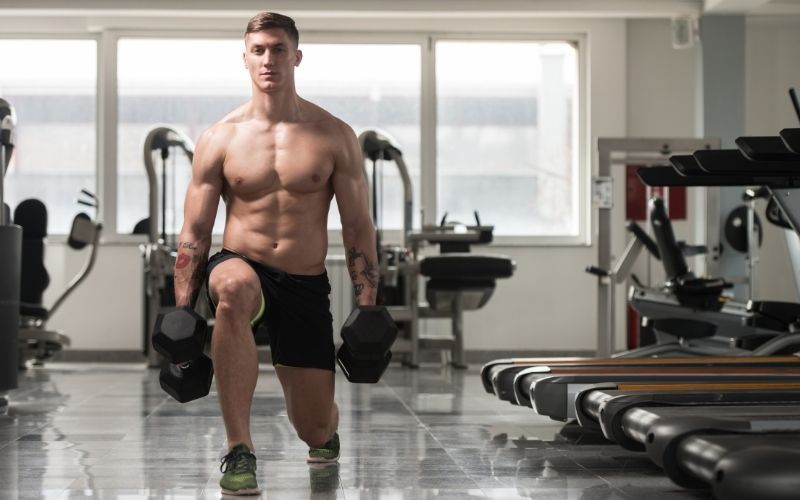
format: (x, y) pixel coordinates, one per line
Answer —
(190, 269)
(368, 270)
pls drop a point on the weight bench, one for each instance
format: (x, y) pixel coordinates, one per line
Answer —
(459, 282)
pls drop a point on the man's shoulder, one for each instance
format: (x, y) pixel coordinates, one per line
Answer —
(224, 128)
(214, 140)
(227, 122)
(324, 118)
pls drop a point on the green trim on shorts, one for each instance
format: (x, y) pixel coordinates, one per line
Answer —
(261, 310)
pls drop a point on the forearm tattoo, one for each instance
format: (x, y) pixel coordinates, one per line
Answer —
(184, 258)
(363, 271)
(195, 258)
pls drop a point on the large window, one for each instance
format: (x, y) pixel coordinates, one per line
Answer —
(190, 84)
(52, 86)
(371, 86)
(507, 133)
(187, 84)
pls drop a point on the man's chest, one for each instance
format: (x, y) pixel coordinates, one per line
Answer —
(294, 160)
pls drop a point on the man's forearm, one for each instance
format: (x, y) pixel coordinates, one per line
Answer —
(362, 264)
(190, 268)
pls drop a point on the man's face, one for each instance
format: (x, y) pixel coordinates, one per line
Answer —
(270, 57)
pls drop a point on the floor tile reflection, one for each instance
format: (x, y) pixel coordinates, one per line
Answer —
(98, 431)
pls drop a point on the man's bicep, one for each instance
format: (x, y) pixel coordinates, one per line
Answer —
(205, 187)
(200, 206)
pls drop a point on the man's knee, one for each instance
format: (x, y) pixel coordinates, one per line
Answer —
(236, 293)
(315, 436)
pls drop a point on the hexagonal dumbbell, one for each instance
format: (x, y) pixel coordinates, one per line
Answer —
(187, 381)
(180, 337)
(368, 334)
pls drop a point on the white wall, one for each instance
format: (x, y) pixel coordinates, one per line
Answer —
(661, 82)
(105, 311)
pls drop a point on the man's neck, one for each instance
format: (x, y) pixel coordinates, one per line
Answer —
(274, 107)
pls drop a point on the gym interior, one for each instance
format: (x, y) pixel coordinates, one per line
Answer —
(587, 229)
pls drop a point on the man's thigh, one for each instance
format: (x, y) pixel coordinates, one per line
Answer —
(309, 394)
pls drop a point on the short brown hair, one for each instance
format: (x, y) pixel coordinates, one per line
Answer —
(269, 20)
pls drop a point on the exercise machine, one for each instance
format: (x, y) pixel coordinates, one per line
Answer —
(158, 258)
(37, 342)
(506, 385)
(690, 315)
(455, 280)
(10, 258)
(601, 406)
(615, 152)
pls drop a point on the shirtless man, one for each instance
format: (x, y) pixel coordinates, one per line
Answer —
(276, 161)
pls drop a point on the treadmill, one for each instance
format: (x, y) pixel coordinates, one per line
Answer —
(601, 406)
(504, 381)
(741, 465)
(741, 451)
(554, 396)
(699, 447)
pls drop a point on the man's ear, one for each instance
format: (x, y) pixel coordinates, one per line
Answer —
(299, 57)
(244, 59)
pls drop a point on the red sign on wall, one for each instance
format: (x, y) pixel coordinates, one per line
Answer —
(637, 194)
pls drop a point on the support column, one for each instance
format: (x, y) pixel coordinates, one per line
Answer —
(722, 41)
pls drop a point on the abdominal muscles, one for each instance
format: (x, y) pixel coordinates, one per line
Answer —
(281, 229)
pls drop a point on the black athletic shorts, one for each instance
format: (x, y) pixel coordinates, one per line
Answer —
(296, 313)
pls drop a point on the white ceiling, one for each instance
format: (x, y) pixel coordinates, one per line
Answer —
(404, 9)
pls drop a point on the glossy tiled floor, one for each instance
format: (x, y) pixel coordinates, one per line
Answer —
(107, 431)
